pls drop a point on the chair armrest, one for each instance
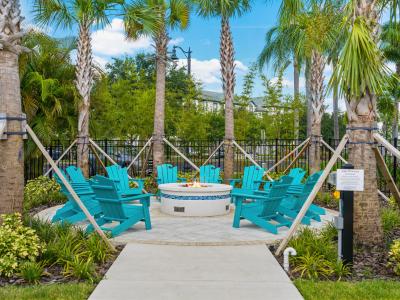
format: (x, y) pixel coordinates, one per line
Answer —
(139, 182)
(232, 182)
(138, 197)
(249, 196)
(182, 179)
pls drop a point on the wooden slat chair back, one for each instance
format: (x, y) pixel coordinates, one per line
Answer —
(166, 173)
(275, 196)
(296, 199)
(76, 175)
(307, 188)
(252, 177)
(210, 174)
(121, 178)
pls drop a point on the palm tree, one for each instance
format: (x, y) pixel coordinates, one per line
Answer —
(84, 14)
(226, 10)
(11, 150)
(279, 48)
(360, 74)
(390, 46)
(167, 15)
(309, 35)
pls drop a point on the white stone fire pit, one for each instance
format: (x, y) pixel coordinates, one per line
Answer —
(208, 200)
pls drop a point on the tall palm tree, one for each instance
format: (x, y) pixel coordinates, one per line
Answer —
(226, 10)
(390, 46)
(86, 15)
(310, 35)
(11, 150)
(279, 48)
(361, 73)
(168, 15)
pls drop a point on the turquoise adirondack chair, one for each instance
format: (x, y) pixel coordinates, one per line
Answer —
(264, 211)
(298, 176)
(210, 174)
(294, 201)
(71, 212)
(250, 182)
(115, 210)
(120, 177)
(76, 175)
(166, 173)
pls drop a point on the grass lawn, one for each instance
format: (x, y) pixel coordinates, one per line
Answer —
(364, 290)
(65, 291)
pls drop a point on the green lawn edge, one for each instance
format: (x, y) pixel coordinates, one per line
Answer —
(59, 291)
(343, 290)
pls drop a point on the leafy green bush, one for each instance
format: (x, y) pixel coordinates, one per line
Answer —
(390, 219)
(18, 244)
(394, 257)
(317, 254)
(31, 271)
(71, 248)
(40, 191)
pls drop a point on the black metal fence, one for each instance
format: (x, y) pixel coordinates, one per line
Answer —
(265, 152)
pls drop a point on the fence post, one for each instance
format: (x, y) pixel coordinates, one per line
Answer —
(276, 155)
(394, 175)
(347, 204)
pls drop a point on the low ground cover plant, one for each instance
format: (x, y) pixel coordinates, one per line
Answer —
(42, 191)
(35, 251)
(18, 244)
(317, 254)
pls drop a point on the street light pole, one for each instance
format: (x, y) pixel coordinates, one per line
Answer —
(187, 54)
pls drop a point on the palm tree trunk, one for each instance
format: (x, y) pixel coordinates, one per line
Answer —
(84, 84)
(336, 134)
(161, 42)
(317, 103)
(228, 84)
(11, 150)
(367, 222)
(362, 113)
(308, 97)
(296, 87)
(396, 112)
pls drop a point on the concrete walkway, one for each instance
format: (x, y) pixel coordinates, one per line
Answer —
(171, 272)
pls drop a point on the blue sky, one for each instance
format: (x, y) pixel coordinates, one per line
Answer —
(203, 38)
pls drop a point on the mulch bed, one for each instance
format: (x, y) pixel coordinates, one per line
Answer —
(369, 262)
(54, 274)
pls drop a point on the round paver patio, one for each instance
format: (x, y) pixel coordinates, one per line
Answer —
(190, 231)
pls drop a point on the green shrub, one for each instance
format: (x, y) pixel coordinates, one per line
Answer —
(390, 219)
(71, 248)
(312, 266)
(317, 254)
(80, 267)
(394, 257)
(18, 244)
(31, 271)
(40, 191)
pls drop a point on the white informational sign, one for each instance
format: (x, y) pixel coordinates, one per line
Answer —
(350, 180)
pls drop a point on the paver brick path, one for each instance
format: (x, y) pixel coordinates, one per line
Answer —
(211, 231)
(168, 272)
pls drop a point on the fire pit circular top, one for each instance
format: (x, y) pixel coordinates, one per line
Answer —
(202, 188)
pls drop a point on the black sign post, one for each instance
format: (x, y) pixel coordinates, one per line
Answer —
(347, 198)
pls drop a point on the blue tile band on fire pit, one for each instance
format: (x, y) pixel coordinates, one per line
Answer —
(175, 197)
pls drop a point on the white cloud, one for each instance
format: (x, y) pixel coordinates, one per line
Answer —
(287, 83)
(111, 41)
(209, 71)
(391, 66)
(100, 61)
(175, 42)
